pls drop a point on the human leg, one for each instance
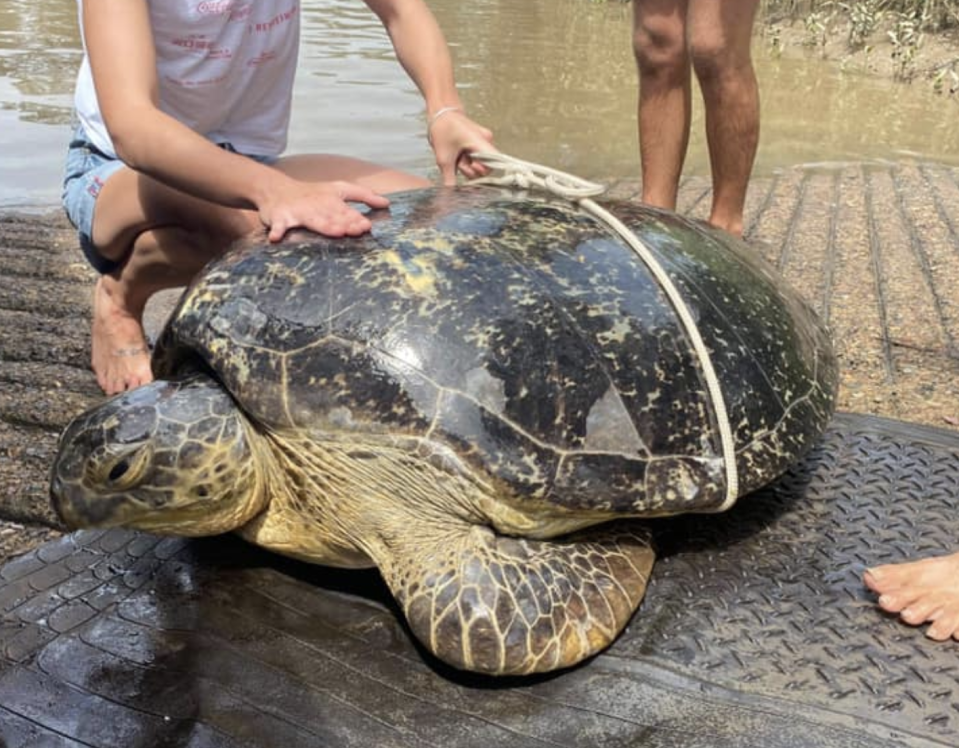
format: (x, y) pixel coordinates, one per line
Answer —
(132, 204)
(324, 167)
(719, 43)
(158, 237)
(925, 591)
(659, 44)
(155, 238)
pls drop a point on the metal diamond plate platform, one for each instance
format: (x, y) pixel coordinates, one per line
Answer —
(756, 632)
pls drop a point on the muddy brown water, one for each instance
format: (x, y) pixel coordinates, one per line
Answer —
(554, 79)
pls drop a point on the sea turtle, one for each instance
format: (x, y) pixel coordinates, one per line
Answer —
(466, 398)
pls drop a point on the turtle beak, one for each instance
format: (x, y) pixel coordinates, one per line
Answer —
(76, 510)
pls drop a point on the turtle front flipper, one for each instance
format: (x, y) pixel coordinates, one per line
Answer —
(502, 605)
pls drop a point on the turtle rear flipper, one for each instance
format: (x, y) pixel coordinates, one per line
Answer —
(502, 605)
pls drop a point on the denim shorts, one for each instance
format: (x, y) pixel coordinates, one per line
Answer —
(86, 170)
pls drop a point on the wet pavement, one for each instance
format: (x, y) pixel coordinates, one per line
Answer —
(874, 247)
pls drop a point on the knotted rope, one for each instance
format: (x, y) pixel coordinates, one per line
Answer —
(513, 172)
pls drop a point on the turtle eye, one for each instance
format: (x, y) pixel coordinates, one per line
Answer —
(126, 469)
(118, 470)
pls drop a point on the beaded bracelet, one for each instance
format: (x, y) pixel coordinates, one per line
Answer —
(436, 115)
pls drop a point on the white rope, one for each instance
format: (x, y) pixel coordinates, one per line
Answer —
(526, 175)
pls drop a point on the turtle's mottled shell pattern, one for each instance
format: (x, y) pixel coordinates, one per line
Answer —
(517, 339)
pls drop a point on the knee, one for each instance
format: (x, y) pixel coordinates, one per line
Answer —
(715, 60)
(187, 249)
(216, 230)
(660, 49)
(236, 224)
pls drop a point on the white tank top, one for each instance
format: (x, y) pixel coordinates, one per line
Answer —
(225, 69)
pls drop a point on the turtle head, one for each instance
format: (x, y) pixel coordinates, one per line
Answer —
(171, 457)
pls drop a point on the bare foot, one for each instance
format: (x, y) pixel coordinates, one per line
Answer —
(925, 591)
(120, 354)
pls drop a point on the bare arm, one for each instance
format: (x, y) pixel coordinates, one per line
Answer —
(423, 52)
(122, 56)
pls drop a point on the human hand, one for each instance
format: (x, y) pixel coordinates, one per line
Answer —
(320, 207)
(454, 136)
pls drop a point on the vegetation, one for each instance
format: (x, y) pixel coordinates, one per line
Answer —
(895, 29)
(870, 32)
(866, 16)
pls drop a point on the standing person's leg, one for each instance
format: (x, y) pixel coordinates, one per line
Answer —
(659, 43)
(720, 32)
(156, 237)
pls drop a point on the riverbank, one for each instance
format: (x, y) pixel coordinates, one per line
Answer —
(884, 46)
(874, 247)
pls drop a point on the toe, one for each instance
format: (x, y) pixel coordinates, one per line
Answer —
(894, 602)
(945, 625)
(920, 611)
(887, 578)
(874, 579)
(941, 630)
